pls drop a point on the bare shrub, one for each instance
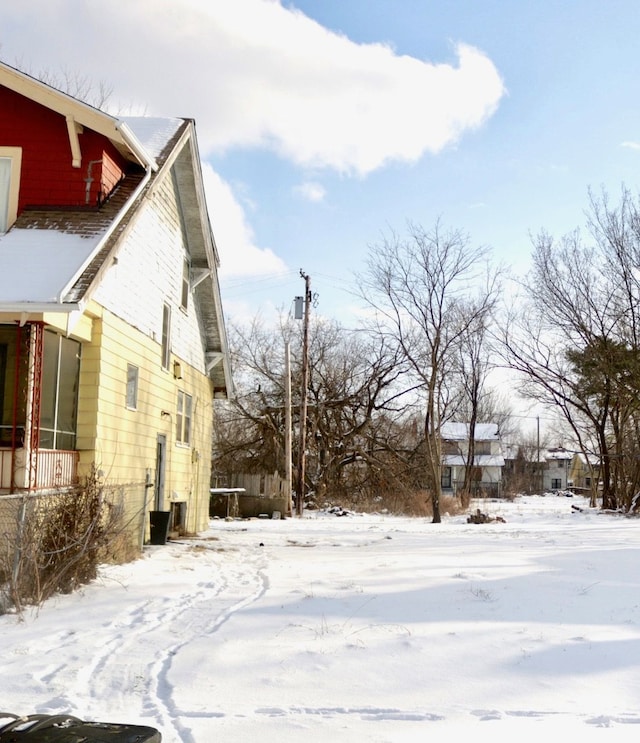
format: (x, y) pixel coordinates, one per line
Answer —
(402, 502)
(61, 540)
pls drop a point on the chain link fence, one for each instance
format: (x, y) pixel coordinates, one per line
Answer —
(81, 526)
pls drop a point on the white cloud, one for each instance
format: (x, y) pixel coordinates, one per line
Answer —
(631, 145)
(256, 74)
(239, 255)
(311, 191)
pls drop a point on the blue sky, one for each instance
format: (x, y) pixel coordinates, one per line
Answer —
(324, 124)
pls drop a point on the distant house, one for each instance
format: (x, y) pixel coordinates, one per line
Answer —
(583, 473)
(488, 459)
(112, 339)
(557, 467)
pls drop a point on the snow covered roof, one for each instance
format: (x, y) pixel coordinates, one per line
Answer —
(44, 256)
(36, 265)
(52, 258)
(480, 460)
(47, 251)
(153, 133)
(559, 453)
(452, 431)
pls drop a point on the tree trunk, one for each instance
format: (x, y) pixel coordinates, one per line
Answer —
(433, 466)
(471, 456)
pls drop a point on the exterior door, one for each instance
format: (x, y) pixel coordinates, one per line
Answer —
(161, 459)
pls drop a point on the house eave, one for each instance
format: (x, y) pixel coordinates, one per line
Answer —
(33, 308)
(77, 114)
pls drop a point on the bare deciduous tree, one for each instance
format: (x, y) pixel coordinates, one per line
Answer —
(419, 289)
(353, 387)
(74, 83)
(474, 365)
(576, 339)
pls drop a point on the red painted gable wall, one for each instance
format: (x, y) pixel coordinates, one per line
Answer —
(47, 176)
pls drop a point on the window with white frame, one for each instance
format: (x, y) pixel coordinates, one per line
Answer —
(59, 397)
(10, 165)
(183, 418)
(132, 387)
(166, 335)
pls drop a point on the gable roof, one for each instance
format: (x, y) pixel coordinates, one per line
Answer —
(558, 453)
(52, 259)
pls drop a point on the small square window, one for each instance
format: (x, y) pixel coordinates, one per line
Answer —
(132, 387)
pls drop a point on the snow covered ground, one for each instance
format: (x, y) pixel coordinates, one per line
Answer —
(360, 628)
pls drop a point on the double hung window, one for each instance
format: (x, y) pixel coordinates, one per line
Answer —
(183, 418)
(59, 401)
(445, 478)
(166, 335)
(184, 295)
(132, 387)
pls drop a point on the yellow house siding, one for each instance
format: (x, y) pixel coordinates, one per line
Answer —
(124, 447)
(122, 324)
(87, 391)
(75, 324)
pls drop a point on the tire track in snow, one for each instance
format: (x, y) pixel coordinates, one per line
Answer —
(160, 672)
(135, 651)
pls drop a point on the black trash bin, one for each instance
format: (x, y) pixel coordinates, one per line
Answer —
(159, 526)
(68, 729)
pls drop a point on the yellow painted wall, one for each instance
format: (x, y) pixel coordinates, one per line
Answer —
(122, 442)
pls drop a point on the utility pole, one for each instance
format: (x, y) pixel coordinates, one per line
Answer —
(302, 454)
(287, 426)
(539, 465)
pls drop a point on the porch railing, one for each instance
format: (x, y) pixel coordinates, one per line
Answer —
(55, 468)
